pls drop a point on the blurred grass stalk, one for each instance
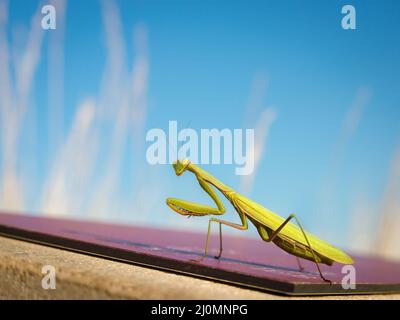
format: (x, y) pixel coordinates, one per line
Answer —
(388, 239)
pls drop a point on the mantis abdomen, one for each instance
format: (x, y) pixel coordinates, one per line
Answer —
(289, 245)
(300, 250)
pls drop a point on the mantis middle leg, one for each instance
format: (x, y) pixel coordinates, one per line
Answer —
(243, 226)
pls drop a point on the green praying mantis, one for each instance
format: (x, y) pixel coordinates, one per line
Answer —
(270, 226)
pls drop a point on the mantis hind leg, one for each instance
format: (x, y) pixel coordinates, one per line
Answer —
(312, 250)
(275, 233)
(262, 231)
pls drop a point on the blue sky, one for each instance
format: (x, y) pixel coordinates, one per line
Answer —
(204, 58)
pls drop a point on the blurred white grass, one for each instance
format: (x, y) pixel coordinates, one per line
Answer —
(66, 185)
(55, 90)
(261, 119)
(14, 101)
(122, 109)
(375, 227)
(388, 240)
(348, 128)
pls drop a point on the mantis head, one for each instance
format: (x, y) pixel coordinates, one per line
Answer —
(180, 166)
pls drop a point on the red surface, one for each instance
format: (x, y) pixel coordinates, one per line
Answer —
(241, 255)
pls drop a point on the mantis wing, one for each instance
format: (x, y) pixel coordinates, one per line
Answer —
(273, 221)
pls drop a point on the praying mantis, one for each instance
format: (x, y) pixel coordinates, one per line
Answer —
(270, 226)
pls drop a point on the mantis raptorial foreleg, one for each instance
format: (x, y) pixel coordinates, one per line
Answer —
(197, 209)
